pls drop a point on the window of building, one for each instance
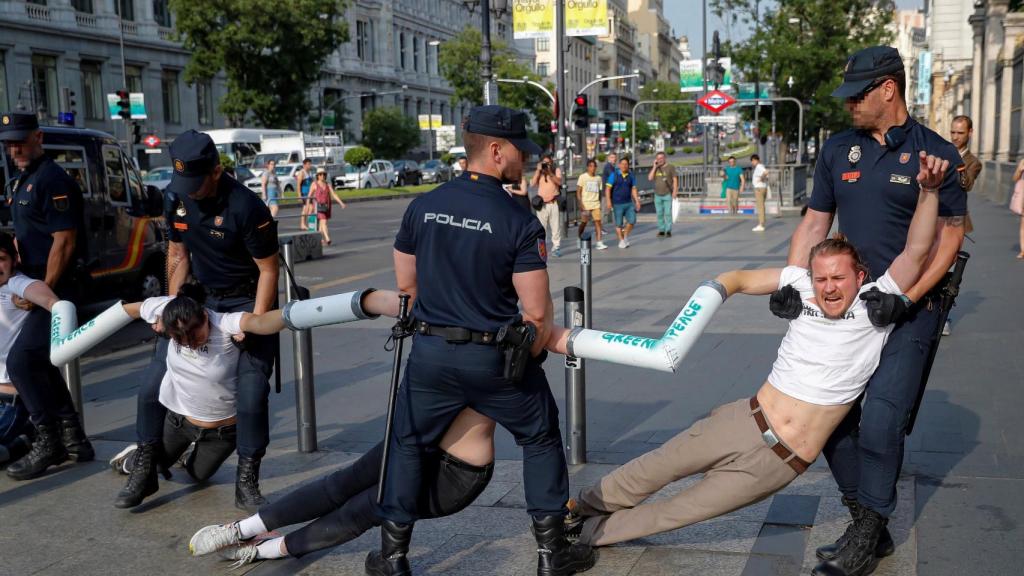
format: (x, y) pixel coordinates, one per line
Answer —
(93, 101)
(4, 102)
(125, 9)
(134, 76)
(204, 102)
(543, 44)
(82, 6)
(542, 69)
(162, 13)
(44, 84)
(171, 98)
(401, 50)
(364, 40)
(416, 42)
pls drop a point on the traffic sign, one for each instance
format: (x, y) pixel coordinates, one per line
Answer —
(152, 140)
(730, 119)
(716, 101)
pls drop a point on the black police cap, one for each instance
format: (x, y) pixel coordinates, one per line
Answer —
(193, 158)
(866, 66)
(502, 122)
(16, 126)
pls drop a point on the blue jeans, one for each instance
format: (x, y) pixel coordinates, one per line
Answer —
(624, 214)
(865, 452)
(13, 419)
(255, 366)
(663, 207)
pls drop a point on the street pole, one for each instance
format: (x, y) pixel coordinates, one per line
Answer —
(124, 80)
(430, 104)
(575, 383)
(560, 148)
(490, 89)
(302, 352)
(704, 73)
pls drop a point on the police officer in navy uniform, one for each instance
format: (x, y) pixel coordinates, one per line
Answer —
(866, 176)
(467, 254)
(221, 233)
(46, 207)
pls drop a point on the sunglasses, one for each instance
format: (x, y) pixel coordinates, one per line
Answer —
(870, 87)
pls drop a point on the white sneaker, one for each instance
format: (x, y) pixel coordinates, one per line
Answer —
(601, 246)
(212, 538)
(121, 462)
(626, 240)
(240, 555)
(757, 228)
(622, 243)
(947, 328)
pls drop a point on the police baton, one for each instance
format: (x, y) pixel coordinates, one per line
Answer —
(398, 334)
(947, 299)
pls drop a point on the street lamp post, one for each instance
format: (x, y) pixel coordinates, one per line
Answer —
(430, 103)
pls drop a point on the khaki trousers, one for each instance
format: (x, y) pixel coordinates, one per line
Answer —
(732, 198)
(759, 196)
(551, 220)
(739, 469)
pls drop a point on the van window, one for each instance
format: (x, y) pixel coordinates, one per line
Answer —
(72, 160)
(117, 187)
(135, 186)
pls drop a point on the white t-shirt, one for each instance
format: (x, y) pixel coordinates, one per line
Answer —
(200, 383)
(758, 177)
(824, 361)
(11, 317)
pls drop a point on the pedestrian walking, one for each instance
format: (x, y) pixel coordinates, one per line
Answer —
(610, 166)
(271, 188)
(866, 175)
(588, 198)
(548, 180)
(623, 201)
(322, 193)
(476, 265)
(666, 188)
(759, 179)
(960, 132)
(734, 181)
(47, 210)
(305, 177)
(1017, 202)
(222, 235)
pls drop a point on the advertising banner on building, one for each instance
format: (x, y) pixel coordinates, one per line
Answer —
(586, 17)
(924, 78)
(536, 18)
(426, 121)
(691, 76)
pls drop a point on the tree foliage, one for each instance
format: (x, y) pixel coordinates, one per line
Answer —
(670, 117)
(389, 132)
(358, 156)
(271, 54)
(813, 50)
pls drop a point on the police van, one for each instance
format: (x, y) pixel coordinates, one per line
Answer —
(123, 252)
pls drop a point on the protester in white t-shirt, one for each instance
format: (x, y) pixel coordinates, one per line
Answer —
(759, 178)
(751, 448)
(14, 423)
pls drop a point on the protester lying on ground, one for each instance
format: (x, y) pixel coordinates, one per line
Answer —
(15, 429)
(342, 505)
(200, 383)
(753, 447)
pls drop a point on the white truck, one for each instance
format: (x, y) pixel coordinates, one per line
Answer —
(325, 152)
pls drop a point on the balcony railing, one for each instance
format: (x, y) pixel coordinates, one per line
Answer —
(130, 28)
(166, 34)
(37, 12)
(86, 20)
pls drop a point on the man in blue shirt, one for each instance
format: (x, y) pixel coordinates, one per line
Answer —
(734, 182)
(866, 175)
(471, 258)
(623, 201)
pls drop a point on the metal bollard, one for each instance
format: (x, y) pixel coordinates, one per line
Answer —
(72, 372)
(302, 352)
(585, 280)
(575, 385)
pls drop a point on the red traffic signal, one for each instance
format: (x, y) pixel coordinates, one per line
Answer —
(581, 100)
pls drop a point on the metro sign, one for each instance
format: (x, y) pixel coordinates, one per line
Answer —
(716, 101)
(152, 141)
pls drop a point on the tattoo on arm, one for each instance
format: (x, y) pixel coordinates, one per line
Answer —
(952, 221)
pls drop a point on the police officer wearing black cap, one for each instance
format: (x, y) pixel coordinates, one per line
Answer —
(46, 206)
(221, 233)
(468, 255)
(866, 175)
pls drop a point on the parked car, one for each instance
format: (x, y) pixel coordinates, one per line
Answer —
(379, 174)
(407, 172)
(435, 171)
(285, 175)
(122, 238)
(159, 177)
(243, 173)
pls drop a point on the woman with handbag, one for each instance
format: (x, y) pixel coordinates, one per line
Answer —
(1017, 202)
(322, 192)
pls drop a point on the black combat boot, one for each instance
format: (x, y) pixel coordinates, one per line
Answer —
(555, 555)
(142, 480)
(46, 451)
(857, 556)
(885, 544)
(75, 442)
(391, 559)
(247, 485)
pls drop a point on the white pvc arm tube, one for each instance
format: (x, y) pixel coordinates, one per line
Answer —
(664, 354)
(69, 341)
(335, 309)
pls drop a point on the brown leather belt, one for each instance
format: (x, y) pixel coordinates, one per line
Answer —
(773, 441)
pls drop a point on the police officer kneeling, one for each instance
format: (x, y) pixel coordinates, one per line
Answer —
(46, 206)
(467, 253)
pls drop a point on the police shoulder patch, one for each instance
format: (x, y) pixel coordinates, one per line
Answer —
(61, 203)
(542, 249)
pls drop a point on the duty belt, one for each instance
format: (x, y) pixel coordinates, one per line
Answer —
(455, 335)
(773, 441)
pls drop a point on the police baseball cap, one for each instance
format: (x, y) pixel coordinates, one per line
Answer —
(193, 157)
(502, 122)
(867, 65)
(16, 126)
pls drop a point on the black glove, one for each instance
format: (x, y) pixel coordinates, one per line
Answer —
(884, 308)
(785, 303)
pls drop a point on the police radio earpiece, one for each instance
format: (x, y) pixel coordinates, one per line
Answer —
(895, 137)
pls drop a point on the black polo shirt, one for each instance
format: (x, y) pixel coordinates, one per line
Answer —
(874, 190)
(469, 236)
(45, 200)
(223, 233)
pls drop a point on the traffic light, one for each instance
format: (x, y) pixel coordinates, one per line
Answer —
(581, 114)
(67, 113)
(136, 133)
(124, 104)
